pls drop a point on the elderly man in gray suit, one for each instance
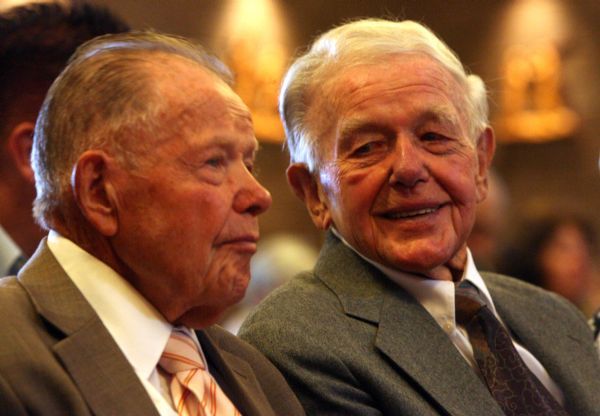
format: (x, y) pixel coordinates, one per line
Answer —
(143, 160)
(390, 149)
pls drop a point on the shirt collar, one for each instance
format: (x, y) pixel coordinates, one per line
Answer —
(436, 296)
(9, 252)
(139, 330)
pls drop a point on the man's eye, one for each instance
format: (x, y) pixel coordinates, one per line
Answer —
(215, 162)
(433, 137)
(367, 148)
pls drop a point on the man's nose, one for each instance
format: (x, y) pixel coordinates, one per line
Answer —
(252, 198)
(408, 167)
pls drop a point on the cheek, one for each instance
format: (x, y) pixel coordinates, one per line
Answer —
(208, 211)
(461, 181)
(356, 191)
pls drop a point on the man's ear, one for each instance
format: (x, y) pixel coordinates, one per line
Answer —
(486, 147)
(94, 191)
(308, 189)
(19, 144)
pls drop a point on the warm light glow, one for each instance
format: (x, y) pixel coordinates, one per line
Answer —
(536, 21)
(7, 4)
(255, 45)
(532, 106)
(258, 19)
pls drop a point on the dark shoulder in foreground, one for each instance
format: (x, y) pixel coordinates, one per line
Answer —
(274, 386)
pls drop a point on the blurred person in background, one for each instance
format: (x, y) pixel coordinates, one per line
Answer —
(488, 238)
(558, 253)
(36, 40)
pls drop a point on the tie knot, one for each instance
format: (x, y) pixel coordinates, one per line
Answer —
(180, 354)
(468, 302)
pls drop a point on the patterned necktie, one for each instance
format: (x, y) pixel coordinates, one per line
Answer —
(516, 389)
(193, 390)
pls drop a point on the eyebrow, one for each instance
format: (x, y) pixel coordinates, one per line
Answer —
(357, 126)
(441, 114)
(227, 143)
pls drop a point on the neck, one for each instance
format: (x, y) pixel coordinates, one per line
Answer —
(452, 270)
(90, 241)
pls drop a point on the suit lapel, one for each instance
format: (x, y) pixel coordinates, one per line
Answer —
(406, 333)
(412, 339)
(85, 348)
(235, 377)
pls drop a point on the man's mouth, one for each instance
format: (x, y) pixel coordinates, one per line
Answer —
(242, 242)
(411, 214)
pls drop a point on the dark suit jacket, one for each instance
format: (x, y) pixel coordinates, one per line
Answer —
(351, 342)
(57, 358)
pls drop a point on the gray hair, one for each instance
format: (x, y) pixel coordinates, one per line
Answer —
(359, 43)
(106, 98)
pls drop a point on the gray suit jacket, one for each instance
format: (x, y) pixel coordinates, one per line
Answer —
(351, 342)
(57, 358)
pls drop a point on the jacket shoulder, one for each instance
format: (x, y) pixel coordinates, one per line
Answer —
(16, 309)
(502, 285)
(271, 381)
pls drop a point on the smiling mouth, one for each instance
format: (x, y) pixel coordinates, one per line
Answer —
(411, 214)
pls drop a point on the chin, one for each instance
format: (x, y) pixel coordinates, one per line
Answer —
(421, 256)
(238, 287)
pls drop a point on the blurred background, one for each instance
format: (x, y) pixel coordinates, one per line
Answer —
(539, 58)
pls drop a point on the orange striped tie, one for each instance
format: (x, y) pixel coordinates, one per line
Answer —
(193, 389)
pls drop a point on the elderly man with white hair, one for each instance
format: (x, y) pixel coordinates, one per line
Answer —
(390, 149)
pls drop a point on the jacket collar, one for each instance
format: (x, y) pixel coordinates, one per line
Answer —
(83, 345)
(234, 375)
(406, 333)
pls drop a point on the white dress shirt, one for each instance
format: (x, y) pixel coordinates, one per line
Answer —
(139, 330)
(9, 252)
(437, 297)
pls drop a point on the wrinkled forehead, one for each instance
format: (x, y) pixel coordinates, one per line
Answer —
(202, 98)
(338, 82)
(179, 78)
(226, 103)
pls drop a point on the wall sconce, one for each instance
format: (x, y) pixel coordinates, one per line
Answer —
(256, 48)
(532, 108)
(532, 104)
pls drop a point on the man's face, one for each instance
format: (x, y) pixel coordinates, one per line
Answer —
(188, 214)
(398, 176)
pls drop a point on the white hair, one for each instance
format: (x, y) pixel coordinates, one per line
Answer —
(358, 43)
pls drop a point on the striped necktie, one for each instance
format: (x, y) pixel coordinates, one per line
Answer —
(193, 390)
(516, 389)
